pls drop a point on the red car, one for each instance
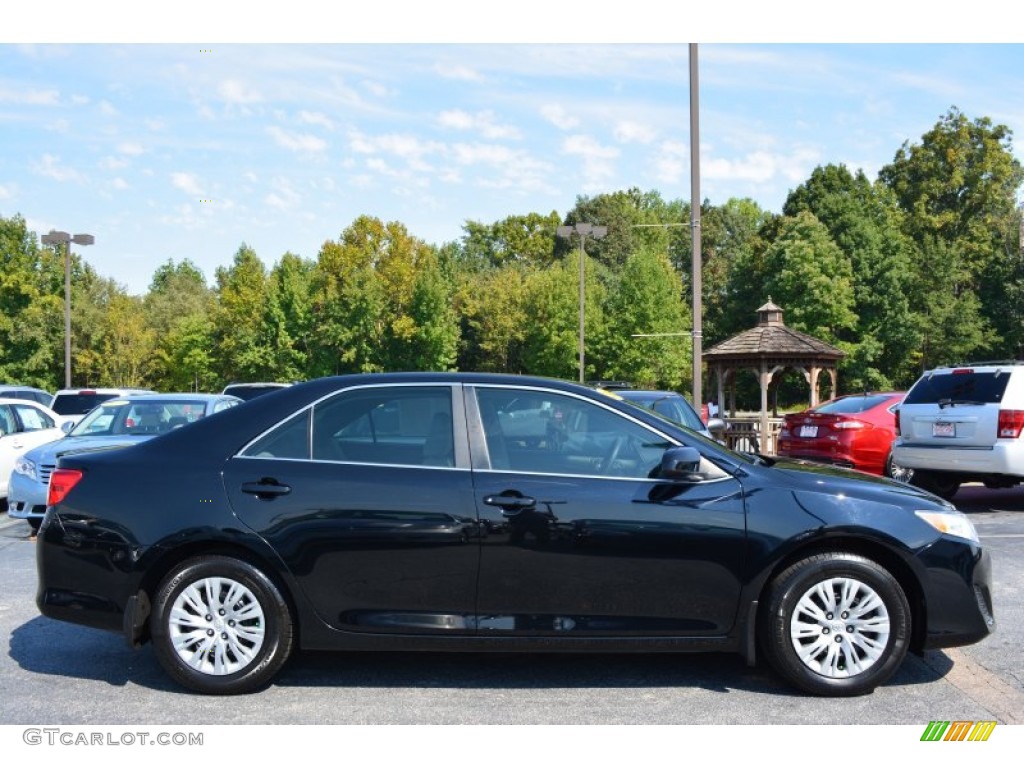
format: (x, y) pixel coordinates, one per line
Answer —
(851, 431)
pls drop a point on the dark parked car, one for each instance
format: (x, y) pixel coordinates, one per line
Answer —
(484, 512)
(854, 431)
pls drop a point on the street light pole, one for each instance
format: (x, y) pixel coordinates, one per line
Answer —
(55, 238)
(597, 232)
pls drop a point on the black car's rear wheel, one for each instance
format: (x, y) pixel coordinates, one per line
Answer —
(836, 624)
(219, 625)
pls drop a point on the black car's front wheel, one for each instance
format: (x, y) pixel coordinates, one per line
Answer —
(836, 624)
(220, 625)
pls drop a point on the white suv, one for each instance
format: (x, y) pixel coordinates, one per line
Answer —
(963, 424)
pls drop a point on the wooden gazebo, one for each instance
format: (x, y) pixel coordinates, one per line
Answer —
(767, 350)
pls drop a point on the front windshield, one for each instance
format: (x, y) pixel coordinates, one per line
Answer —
(150, 417)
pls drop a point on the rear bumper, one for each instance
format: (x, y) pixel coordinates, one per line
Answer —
(1000, 459)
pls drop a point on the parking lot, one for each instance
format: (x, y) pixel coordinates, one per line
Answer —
(102, 681)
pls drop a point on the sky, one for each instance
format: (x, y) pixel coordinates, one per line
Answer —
(169, 139)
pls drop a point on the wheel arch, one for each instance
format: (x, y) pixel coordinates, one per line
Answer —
(866, 548)
(169, 559)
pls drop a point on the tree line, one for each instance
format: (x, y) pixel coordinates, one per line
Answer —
(921, 267)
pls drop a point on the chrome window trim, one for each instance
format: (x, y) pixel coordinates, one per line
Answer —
(458, 419)
(472, 404)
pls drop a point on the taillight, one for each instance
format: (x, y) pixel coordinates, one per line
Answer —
(1010, 424)
(61, 483)
(896, 418)
(849, 424)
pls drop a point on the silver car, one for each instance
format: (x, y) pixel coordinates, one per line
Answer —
(115, 423)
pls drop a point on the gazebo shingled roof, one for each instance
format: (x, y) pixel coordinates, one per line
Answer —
(771, 338)
(767, 349)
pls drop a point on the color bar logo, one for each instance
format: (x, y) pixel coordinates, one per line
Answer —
(958, 730)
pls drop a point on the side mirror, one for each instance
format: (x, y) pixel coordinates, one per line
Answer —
(681, 464)
(67, 426)
(717, 426)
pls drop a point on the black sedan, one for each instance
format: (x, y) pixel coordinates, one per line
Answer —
(483, 512)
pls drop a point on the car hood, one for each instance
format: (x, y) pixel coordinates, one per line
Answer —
(50, 452)
(809, 476)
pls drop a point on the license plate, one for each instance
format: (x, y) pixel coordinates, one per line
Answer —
(943, 429)
(808, 431)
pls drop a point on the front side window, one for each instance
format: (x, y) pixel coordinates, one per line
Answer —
(552, 433)
(386, 425)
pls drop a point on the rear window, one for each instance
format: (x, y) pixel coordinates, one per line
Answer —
(964, 388)
(853, 404)
(72, 405)
(249, 391)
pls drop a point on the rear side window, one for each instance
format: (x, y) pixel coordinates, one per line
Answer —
(71, 405)
(965, 388)
(857, 404)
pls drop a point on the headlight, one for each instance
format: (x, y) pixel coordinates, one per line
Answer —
(25, 467)
(951, 523)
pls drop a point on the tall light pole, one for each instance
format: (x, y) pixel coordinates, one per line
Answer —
(698, 332)
(597, 232)
(56, 238)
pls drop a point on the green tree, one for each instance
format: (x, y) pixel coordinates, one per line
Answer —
(177, 304)
(647, 299)
(864, 221)
(810, 277)
(238, 318)
(958, 188)
(31, 308)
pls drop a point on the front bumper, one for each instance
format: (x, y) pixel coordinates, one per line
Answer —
(957, 594)
(26, 498)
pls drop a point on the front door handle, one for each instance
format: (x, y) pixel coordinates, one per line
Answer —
(266, 488)
(510, 502)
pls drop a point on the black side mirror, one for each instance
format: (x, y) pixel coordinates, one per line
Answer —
(681, 464)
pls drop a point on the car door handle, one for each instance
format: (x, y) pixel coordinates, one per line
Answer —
(267, 488)
(510, 503)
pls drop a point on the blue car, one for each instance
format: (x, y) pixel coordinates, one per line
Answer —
(112, 424)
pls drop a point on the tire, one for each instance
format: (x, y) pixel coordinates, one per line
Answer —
(936, 482)
(896, 472)
(220, 626)
(836, 624)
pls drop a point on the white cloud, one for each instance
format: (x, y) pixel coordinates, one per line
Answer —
(51, 166)
(7, 191)
(557, 116)
(672, 162)
(760, 167)
(484, 122)
(236, 92)
(412, 149)
(187, 182)
(283, 197)
(107, 109)
(629, 131)
(598, 165)
(119, 184)
(458, 72)
(297, 142)
(316, 118)
(130, 148)
(46, 98)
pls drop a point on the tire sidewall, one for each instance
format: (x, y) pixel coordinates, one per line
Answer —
(790, 587)
(277, 641)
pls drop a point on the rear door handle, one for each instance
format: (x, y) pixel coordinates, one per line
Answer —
(510, 503)
(266, 488)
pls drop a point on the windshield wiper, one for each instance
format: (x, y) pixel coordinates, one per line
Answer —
(949, 401)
